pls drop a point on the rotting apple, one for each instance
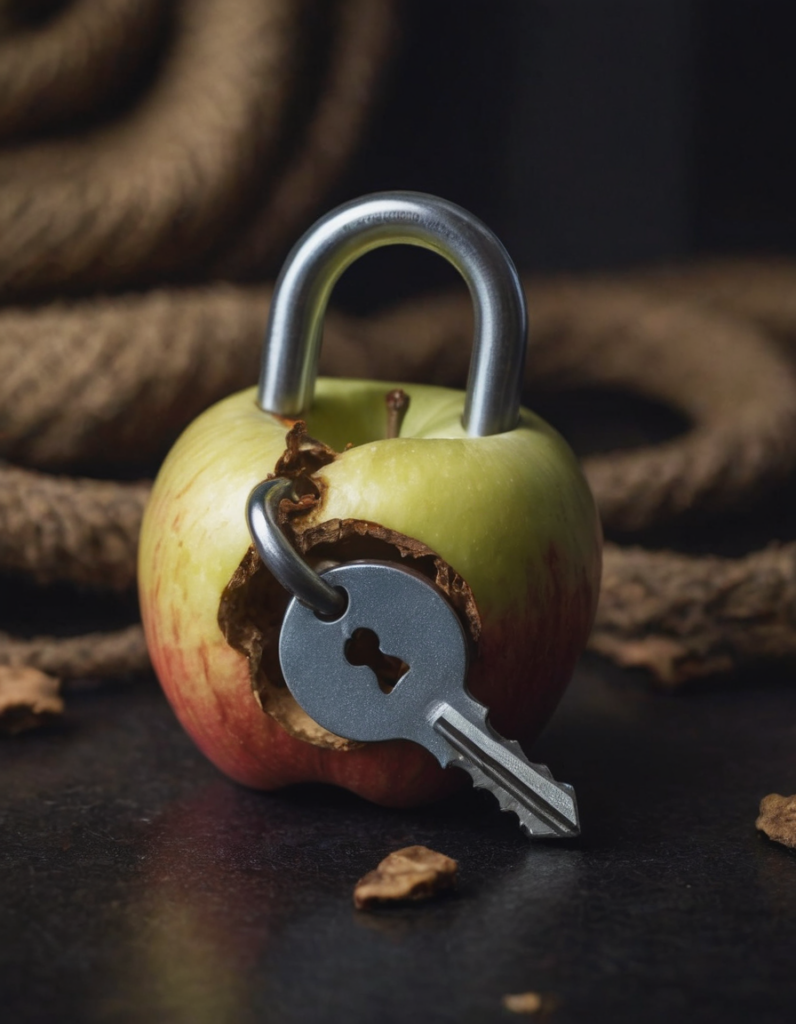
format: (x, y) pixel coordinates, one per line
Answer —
(533, 572)
(504, 523)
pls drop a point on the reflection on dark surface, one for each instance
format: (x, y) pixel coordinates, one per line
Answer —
(138, 885)
(238, 904)
(190, 949)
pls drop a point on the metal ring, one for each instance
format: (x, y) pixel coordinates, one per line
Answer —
(298, 306)
(285, 563)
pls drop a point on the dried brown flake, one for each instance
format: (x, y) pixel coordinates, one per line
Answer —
(778, 818)
(523, 1002)
(28, 698)
(413, 873)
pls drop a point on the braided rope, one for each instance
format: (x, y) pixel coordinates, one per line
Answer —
(738, 390)
(194, 139)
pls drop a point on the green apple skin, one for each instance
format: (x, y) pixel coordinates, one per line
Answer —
(511, 513)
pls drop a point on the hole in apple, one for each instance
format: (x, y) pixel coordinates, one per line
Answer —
(253, 605)
(363, 649)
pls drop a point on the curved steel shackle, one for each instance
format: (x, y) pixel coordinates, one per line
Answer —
(284, 561)
(295, 323)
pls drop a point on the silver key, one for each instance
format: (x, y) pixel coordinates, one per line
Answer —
(429, 703)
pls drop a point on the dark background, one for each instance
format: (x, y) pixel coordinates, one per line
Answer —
(589, 134)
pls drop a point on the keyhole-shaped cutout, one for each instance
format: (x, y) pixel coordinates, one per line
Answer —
(363, 649)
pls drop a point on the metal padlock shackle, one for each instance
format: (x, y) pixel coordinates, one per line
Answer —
(311, 270)
(295, 327)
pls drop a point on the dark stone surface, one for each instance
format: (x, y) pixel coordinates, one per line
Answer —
(139, 885)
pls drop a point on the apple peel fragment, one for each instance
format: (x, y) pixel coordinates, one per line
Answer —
(28, 698)
(253, 604)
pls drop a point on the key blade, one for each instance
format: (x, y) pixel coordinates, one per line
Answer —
(530, 824)
(545, 808)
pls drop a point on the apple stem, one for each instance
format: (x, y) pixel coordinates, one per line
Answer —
(397, 402)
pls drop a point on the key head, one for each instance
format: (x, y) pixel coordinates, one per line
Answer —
(413, 623)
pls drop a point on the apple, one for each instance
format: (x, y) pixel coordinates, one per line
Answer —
(505, 523)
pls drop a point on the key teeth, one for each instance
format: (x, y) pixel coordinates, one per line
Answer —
(507, 803)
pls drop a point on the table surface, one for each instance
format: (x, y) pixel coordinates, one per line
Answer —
(140, 885)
